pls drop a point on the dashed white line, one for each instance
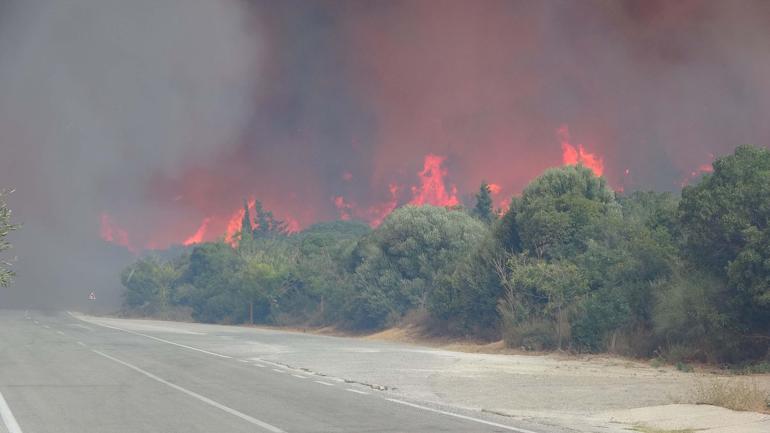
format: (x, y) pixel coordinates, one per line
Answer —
(46, 327)
(60, 333)
(81, 343)
(36, 322)
(244, 360)
(7, 416)
(323, 383)
(260, 365)
(356, 391)
(193, 394)
(457, 415)
(299, 377)
(278, 371)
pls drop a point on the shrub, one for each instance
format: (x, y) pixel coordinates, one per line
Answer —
(732, 394)
(532, 335)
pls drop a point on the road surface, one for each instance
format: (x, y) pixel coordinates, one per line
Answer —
(59, 373)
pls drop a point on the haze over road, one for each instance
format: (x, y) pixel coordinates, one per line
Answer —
(63, 374)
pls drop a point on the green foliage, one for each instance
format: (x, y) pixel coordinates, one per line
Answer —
(150, 284)
(483, 209)
(568, 266)
(561, 210)
(266, 225)
(410, 257)
(6, 275)
(725, 221)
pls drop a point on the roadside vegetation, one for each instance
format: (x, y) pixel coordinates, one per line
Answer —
(735, 394)
(570, 265)
(6, 227)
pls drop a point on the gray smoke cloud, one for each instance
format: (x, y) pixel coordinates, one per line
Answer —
(96, 98)
(161, 113)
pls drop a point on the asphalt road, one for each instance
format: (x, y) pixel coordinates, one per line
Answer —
(61, 374)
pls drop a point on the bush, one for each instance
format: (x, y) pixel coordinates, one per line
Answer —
(740, 395)
(535, 335)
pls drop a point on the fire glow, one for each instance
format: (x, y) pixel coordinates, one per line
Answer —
(573, 155)
(432, 187)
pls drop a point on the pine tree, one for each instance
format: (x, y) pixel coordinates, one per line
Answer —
(267, 224)
(483, 209)
(246, 243)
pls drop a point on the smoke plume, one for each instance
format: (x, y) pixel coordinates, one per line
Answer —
(128, 126)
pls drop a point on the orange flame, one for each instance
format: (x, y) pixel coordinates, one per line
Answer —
(197, 237)
(432, 189)
(572, 155)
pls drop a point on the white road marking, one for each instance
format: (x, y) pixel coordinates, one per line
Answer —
(36, 322)
(46, 327)
(7, 416)
(260, 365)
(193, 394)
(356, 391)
(164, 341)
(457, 415)
(244, 360)
(81, 343)
(60, 333)
(278, 371)
(323, 383)
(299, 377)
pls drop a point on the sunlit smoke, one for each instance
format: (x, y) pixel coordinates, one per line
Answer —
(111, 232)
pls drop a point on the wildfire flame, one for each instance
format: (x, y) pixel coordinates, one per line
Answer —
(432, 189)
(197, 237)
(573, 155)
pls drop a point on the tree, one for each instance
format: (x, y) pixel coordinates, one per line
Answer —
(266, 224)
(6, 275)
(409, 257)
(246, 242)
(722, 213)
(260, 280)
(213, 271)
(149, 284)
(562, 210)
(725, 221)
(483, 209)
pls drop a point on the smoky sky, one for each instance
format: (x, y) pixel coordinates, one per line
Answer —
(161, 113)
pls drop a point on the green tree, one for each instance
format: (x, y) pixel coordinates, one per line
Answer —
(260, 282)
(149, 285)
(725, 222)
(411, 255)
(483, 209)
(246, 241)
(213, 274)
(267, 224)
(562, 209)
(6, 275)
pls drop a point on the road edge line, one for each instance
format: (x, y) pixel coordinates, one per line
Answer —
(193, 394)
(7, 416)
(151, 337)
(457, 415)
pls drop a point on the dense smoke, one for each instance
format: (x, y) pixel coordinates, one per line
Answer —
(147, 123)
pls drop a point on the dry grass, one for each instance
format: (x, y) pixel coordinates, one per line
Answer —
(741, 395)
